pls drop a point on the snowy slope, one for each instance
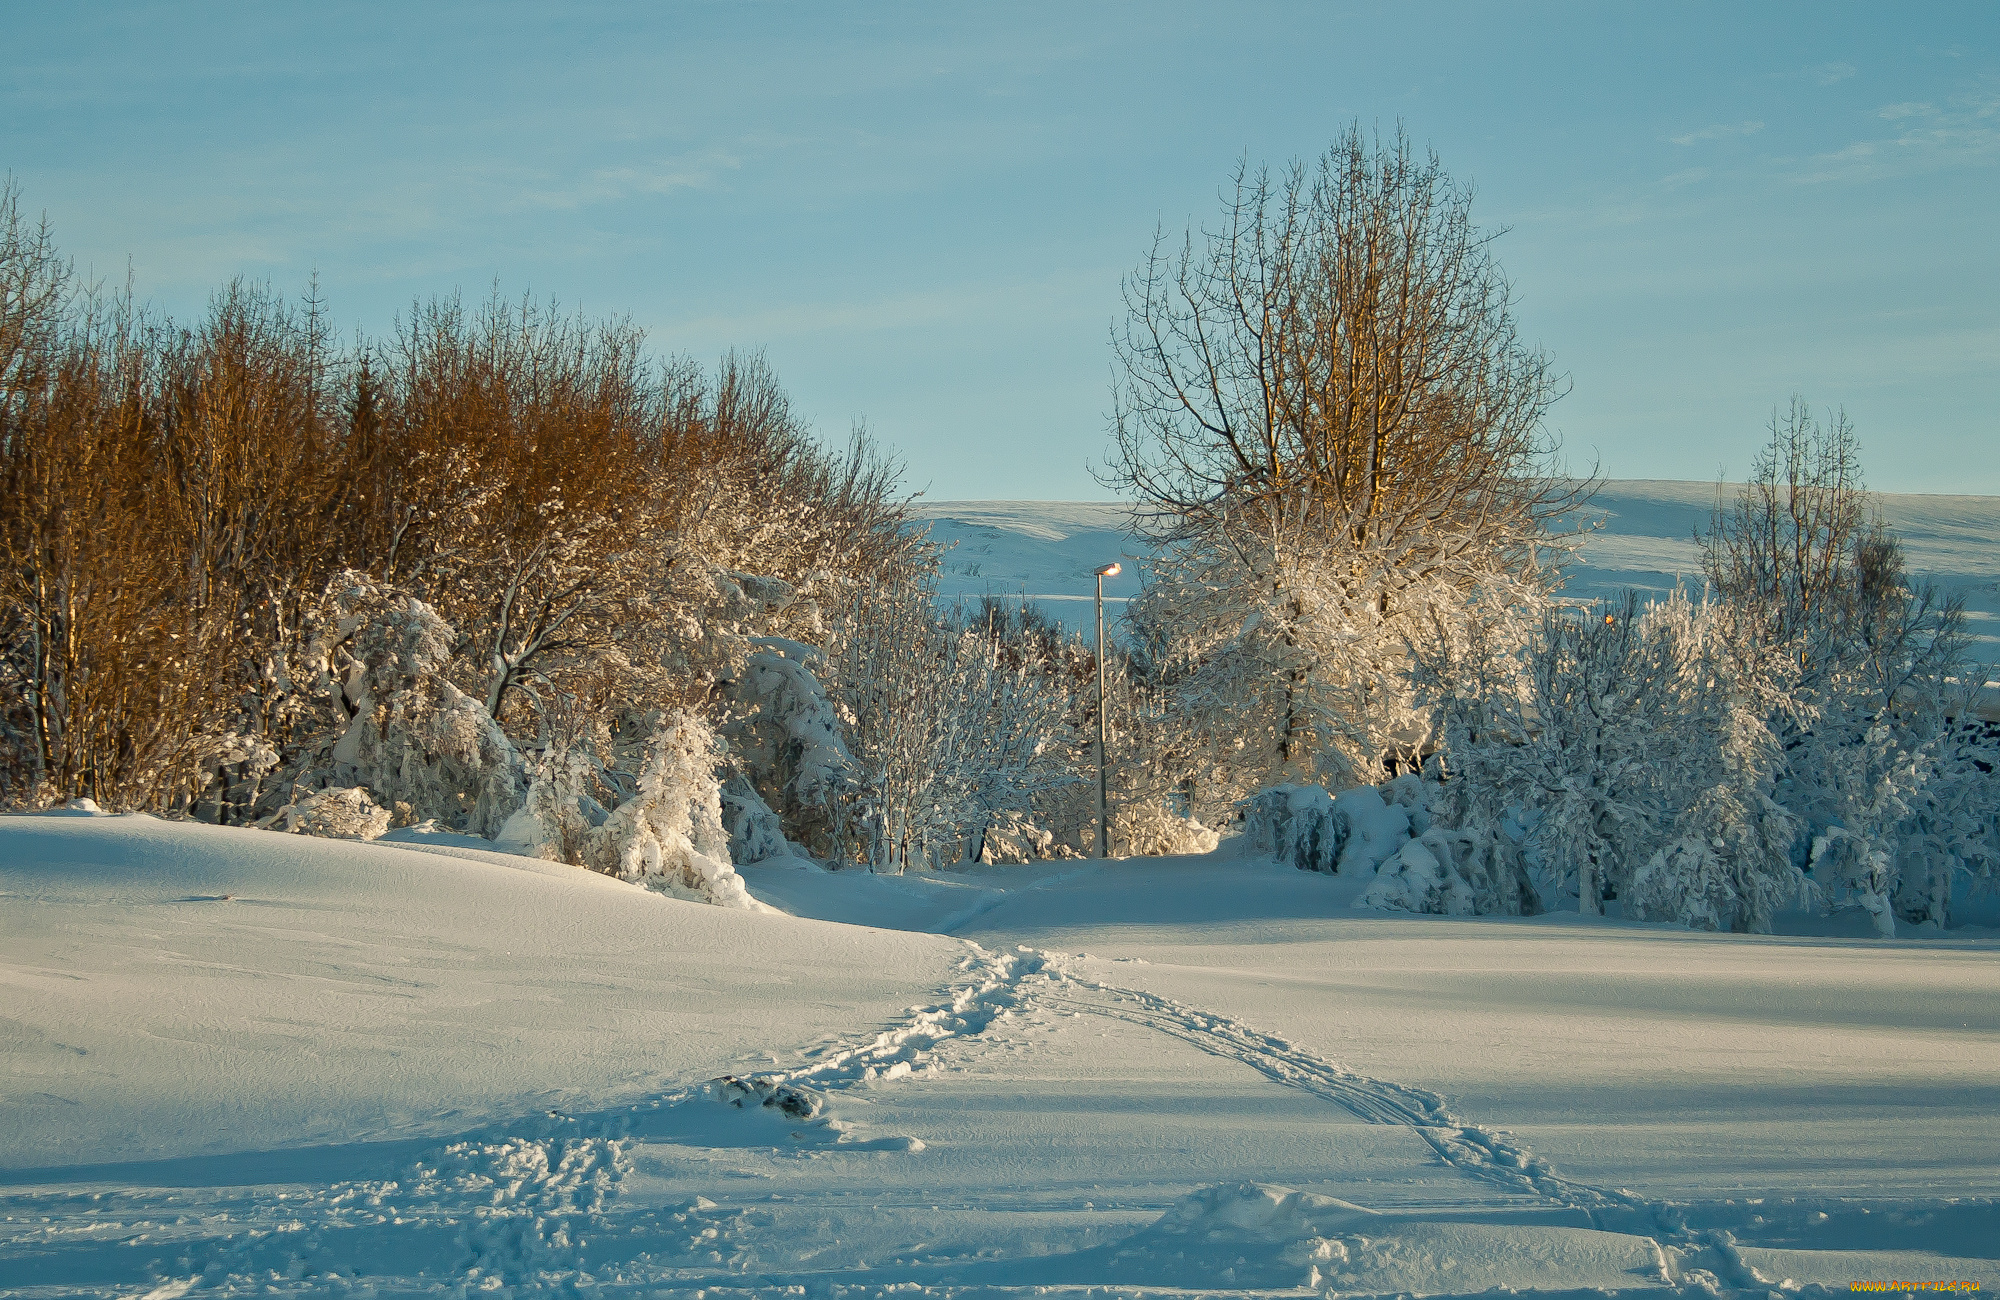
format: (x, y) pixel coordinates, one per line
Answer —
(1207, 1076)
(1047, 549)
(176, 990)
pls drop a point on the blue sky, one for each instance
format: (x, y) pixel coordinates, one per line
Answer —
(921, 213)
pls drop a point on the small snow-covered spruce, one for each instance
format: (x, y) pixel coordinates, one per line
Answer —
(669, 836)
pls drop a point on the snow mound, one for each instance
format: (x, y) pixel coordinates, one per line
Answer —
(1260, 1210)
(177, 989)
(335, 813)
(1254, 1236)
(1306, 827)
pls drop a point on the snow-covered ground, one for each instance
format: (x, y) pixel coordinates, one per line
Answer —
(235, 1062)
(1047, 549)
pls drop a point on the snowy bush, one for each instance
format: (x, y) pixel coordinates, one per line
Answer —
(755, 832)
(950, 733)
(1013, 836)
(1295, 824)
(412, 737)
(1352, 833)
(790, 747)
(1147, 829)
(336, 814)
(1949, 844)
(1444, 872)
(669, 836)
(557, 814)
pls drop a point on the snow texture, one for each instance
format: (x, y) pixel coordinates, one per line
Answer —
(246, 1063)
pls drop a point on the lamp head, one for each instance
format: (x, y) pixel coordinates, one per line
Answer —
(1107, 570)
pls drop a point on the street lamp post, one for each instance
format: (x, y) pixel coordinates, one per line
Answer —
(1103, 822)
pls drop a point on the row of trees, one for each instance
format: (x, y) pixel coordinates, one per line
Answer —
(505, 572)
(500, 572)
(226, 545)
(1338, 445)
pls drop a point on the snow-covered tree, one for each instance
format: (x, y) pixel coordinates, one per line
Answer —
(948, 737)
(1865, 719)
(1333, 430)
(416, 741)
(1724, 860)
(1571, 732)
(1632, 747)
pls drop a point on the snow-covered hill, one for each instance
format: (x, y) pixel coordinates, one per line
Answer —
(1047, 549)
(234, 1063)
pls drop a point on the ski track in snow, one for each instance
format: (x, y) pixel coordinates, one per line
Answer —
(517, 1206)
(1490, 1155)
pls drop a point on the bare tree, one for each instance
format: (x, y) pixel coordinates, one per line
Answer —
(1785, 547)
(1326, 414)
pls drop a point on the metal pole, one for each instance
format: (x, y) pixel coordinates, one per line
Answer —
(1103, 823)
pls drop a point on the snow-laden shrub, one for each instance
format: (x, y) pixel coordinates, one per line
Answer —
(669, 836)
(793, 740)
(1949, 847)
(1014, 837)
(1354, 831)
(558, 813)
(755, 832)
(1295, 824)
(1702, 884)
(231, 764)
(952, 731)
(1389, 830)
(414, 738)
(1478, 872)
(336, 814)
(1148, 829)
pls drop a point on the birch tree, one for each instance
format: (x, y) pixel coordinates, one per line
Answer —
(1329, 422)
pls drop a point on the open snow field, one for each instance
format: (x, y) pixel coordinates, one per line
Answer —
(1047, 549)
(233, 1062)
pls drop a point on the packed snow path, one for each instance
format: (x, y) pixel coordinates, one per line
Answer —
(1111, 1110)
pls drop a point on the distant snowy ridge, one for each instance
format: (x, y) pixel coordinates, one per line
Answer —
(1046, 550)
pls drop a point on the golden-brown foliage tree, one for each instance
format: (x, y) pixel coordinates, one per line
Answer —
(177, 501)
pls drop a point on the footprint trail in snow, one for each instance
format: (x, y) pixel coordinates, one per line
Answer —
(595, 1204)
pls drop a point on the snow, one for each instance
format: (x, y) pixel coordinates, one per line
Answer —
(392, 1068)
(1047, 549)
(178, 990)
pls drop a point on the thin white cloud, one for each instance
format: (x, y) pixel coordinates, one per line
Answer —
(702, 171)
(1964, 133)
(1722, 131)
(1827, 74)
